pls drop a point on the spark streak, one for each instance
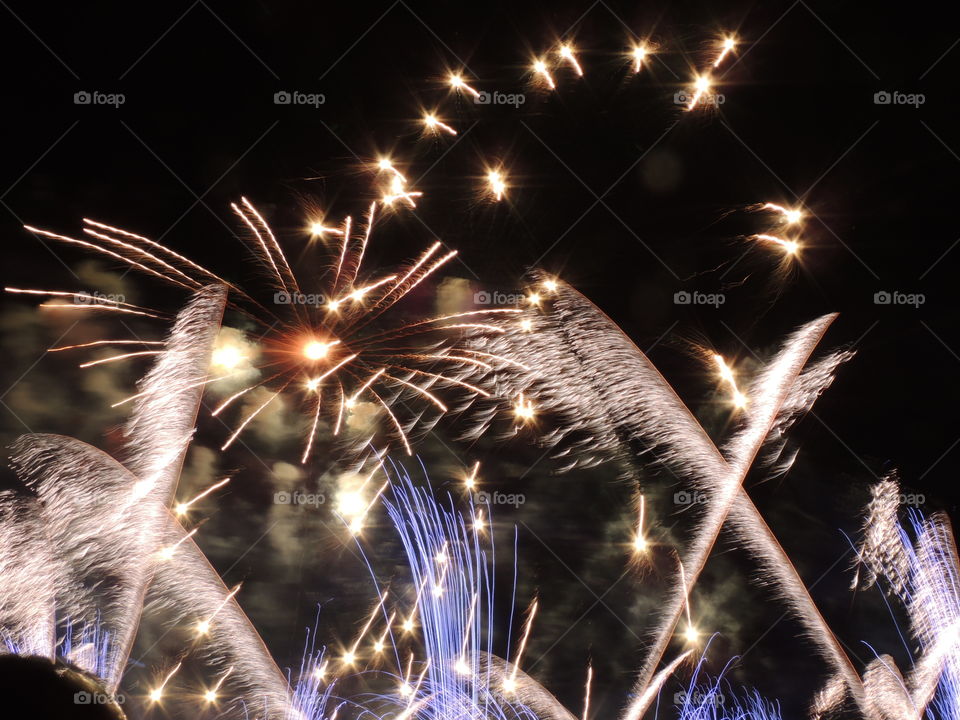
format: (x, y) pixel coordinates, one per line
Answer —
(569, 54)
(434, 124)
(738, 399)
(203, 627)
(790, 247)
(458, 83)
(510, 685)
(156, 694)
(182, 508)
(167, 553)
(350, 656)
(639, 541)
(113, 358)
(791, 216)
(701, 86)
(729, 43)
(541, 70)
(586, 693)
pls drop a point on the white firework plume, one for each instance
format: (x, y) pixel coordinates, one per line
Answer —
(28, 573)
(611, 402)
(917, 562)
(168, 397)
(100, 536)
(105, 522)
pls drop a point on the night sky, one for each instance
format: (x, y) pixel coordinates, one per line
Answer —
(611, 186)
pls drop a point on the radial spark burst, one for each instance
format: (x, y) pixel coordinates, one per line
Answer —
(336, 345)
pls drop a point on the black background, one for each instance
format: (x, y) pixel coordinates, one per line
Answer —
(199, 128)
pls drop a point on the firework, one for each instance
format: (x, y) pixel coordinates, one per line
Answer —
(541, 70)
(713, 699)
(726, 47)
(601, 402)
(433, 124)
(738, 399)
(789, 247)
(182, 508)
(640, 540)
(524, 410)
(497, 184)
(458, 84)
(569, 55)
(470, 481)
(791, 216)
(461, 676)
(918, 563)
(156, 693)
(395, 191)
(701, 86)
(324, 348)
(638, 54)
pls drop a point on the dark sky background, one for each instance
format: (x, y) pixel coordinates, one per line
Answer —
(611, 186)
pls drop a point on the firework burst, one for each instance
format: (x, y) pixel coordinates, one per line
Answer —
(335, 346)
